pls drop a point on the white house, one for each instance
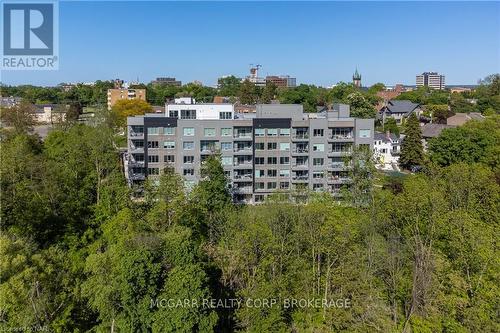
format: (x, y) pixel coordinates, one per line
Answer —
(386, 150)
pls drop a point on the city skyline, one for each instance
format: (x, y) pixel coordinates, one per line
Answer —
(318, 43)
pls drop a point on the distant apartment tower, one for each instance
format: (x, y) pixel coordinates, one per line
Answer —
(279, 147)
(115, 95)
(167, 81)
(431, 79)
(281, 81)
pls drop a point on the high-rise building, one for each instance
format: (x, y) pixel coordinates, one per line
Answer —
(115, 95)
(167, 81)
(281, 81)
(431, 79)
(279, 147)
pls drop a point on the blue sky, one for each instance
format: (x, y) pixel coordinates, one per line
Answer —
(318, 42)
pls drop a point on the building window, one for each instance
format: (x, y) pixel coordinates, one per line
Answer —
(271, 185)
(318, 174)
(226, 145)
(188, 145)
(153, 130)
(153, 159)
(284, 132)
(272, 160)
(259, 198)
(173, 114)
(227, 160)
(225, 115)
(153, 171)
(259, 146)
(285, 173)
(188, 114)
(318, 161)
(209, 131)
(168, 130)
(227, 131)
(189, 159)
(272, 173)
(138, 157)
(318, 132)
(259, 185)
(188, 172)
(169, 144)
(188, 131)
(318, 147)
(285, 160)
(138, 143)
(272, 132)
(284, 185)
(365, 133)
(259, 132)
(272, 146)
(152, 144)
(284, 146)
(317, 187)
(169, 158)
(259, 173)
(259, 160)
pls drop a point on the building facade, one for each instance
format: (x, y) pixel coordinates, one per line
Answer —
(167, 81)
(114, 95)
(282, 81)
(386, 151)
(431, 79)
(277, 148)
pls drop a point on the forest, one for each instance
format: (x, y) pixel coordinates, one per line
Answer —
(78, 253)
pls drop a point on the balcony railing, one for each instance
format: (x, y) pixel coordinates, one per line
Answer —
(341, 137)
(243, 163)
(135, 134)
(300, 177)
(242, 177)
(300, 136)
(243, 135)
(301, 150)
(242, 149)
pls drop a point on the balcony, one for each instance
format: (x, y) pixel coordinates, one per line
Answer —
(303, 165)
(243, 177)
(338, 180)
(337, 165)
(300, 150)
(247, 164)
(243, 150)
(300, 178)
(243, 135)
(243, 189)
(341, 137)
(339, 153)
(136, 134)
(300, 136)
(137, 176)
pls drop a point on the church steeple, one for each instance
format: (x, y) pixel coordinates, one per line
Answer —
(356, 78)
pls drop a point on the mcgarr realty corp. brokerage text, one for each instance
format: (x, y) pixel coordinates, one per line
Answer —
(230, 303)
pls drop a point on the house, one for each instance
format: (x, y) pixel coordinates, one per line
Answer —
(430, 131)
(386, 150)
(398, 110)
(50, 113)
(461, 118)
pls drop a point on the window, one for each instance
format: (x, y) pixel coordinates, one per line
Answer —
(318, 147)
(168, 130)
(259, 186)
(317, 132)
(259, 132)
(226, 131)
(153, 171)
(226, 145)
(188, 131)
(285, 132)
(169, 144)
(318, 161)
(285, 173)
(188, 114)
(188, 145)
(153, 130)
(189, 159)
(153, 159)
(169, 158)
(284, 185)
(285, 160)
(209, 131)
(173, 114)
(318, 174)
(317, 187)
(138, 157)
(138, 143)
(259, 146)
(272, 132)
(272, 173)
(259, 160)
(259, 173)
(272, 146)
(271, 185)
(272, 160)
(225, 115)
(152, 144)
(259, 198)
(365, 133)
(227, 160)
(188, 172)
(284, 146)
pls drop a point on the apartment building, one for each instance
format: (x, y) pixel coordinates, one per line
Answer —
(282, 81)
(431, 79)
(279, 147)
(117, 94)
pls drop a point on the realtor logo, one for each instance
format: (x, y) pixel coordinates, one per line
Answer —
(29, 32)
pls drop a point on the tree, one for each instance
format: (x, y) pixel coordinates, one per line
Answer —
(360, 107)
(269, 93)
(247, 93)
(374, 89)
(439, 112)
(129, 107)
(391, 126)
(412, 153)
(229, 86)
(20, 117)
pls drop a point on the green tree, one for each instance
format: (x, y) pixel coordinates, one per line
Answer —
(247, 93)
(229, 86)
(412, 153)
(20, 117)
(129, 107)
(360, 106)
(269, 93)
(391, 126)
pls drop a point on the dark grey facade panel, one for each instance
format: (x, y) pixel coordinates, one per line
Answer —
(272, 122)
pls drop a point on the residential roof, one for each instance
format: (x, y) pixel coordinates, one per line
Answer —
(433, 130)
(400, 106)
(383, 137)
